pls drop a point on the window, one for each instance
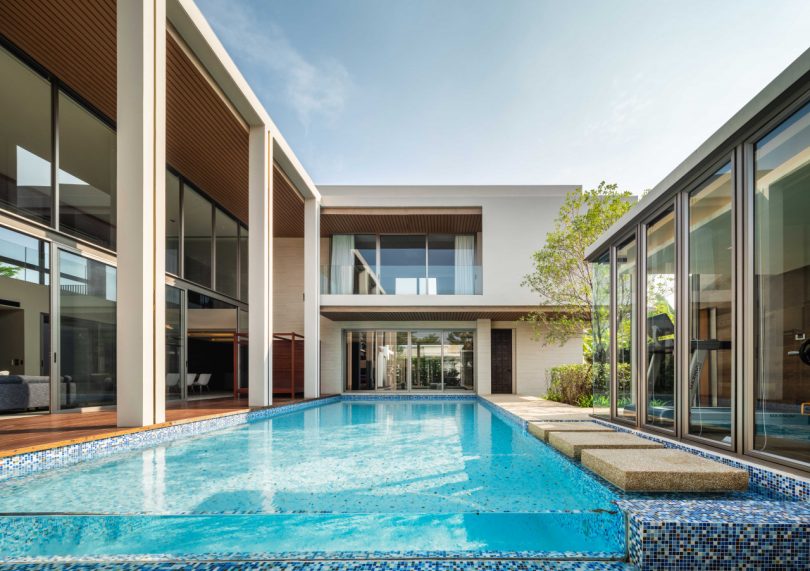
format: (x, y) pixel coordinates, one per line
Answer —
(197, 237)
(25, 140)
(172, 224)
(226, 230)
(402, 264)
(457, 360)
(710, 308)
(600, 335)
(626, 284)
(782, 290)
(86, 176)
(243, 264)
(660, 342)
(175, 340)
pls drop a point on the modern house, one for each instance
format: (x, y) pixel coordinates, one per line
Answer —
(160, 241)
(702, 317)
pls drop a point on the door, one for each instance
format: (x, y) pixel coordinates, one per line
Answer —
(501, 361)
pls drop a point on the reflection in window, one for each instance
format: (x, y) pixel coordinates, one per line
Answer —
(660, 362)
(86, 174)
(710, 310)
(626, 283)
(426, 360)
(226, 249)
(402, 265)
(175, 337)
(243, 264)
(782, 290)
(457, 360)
(86, 331)
(172, 224)
(600, 335)
(197, 238)
(25, 140)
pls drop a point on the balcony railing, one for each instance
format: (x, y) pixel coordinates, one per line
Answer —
(360, 279)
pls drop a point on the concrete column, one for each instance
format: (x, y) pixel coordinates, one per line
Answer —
(483, 356)
(312, 298)
(260, 268)
(140, 214)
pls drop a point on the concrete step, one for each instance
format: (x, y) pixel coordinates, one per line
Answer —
(542, 430)
(663, 470)
(573, 443)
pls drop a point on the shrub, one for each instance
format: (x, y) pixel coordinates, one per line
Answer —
(584, 385)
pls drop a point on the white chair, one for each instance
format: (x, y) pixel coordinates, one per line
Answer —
(190, 383)
(173, 382)
(203, 381)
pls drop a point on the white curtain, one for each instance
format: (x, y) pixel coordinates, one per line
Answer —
(342, 264)
(465, 265)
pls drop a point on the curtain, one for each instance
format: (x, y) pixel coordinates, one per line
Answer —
(465, 265)
(341, 269)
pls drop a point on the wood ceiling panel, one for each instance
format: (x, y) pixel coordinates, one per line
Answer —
(204, 140)
(398, 222)
(288, 208)
(72, 39)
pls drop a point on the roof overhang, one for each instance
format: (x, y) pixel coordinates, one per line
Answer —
(463, 220)
(426, 313)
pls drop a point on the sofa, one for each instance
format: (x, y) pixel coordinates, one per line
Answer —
(24, 392)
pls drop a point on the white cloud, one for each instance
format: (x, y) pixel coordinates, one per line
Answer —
(313, 89)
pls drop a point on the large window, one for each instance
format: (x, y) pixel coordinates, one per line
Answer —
(87, 320)
(600, 335)
(86, 175)
(227, 255)
(197, 237)
(403, 259)
(25, 140)
(710, 308)
(782, 290)
(243, 264)
(626, 312)
(175, 341)
(391, 360)
(172, 224)
(660, 341)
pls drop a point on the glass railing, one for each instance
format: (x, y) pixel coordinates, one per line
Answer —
(359, 279)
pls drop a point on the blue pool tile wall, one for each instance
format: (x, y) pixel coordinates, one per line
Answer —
(386, 565)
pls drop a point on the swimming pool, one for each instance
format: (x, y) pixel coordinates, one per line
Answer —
(381, 476)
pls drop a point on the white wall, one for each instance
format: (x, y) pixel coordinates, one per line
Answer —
(331, 357)
(288, 285)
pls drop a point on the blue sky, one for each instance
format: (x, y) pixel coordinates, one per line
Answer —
(505, 91)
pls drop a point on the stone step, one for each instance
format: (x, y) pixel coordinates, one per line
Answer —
(542, 430)
(573, 443)
(663, 470)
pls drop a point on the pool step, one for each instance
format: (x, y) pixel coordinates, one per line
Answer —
(542, 430)
(663, 470)
(573, 443)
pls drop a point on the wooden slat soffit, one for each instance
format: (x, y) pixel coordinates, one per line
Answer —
(400, 220)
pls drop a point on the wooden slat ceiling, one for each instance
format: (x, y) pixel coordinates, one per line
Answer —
(288, 208)
(204, 141)
(397, 222)
(424, 314)
(73, 39)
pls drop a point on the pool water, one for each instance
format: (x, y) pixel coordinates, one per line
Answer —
(352, 476)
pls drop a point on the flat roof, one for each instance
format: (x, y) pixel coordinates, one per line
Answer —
(733, 128)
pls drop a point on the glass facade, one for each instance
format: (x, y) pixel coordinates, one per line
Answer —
(198, 238)
(227, 254)
(175, 343)
(626, 324)
(173, 224)
(391, 360)
(600, 335)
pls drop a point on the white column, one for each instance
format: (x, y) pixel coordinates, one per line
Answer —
(140, 196)
(483, 355)
(260, 268)
(312, 298)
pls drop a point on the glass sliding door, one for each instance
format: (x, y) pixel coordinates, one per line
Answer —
(600, 335)
(175, 343)
(87, 322)
(660, 321)
(781, 290)
(626, 312)
(359, 360)
(426, 360)
(457, 364)
(403, 359)
(709, 380)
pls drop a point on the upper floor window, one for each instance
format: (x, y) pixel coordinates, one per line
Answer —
(403, 264)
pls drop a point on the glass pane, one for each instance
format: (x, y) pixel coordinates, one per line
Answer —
(197, 237)
(457, 364)
(172, 224)
(710, 310)
(212, 326)
(426, 360)
(403, 352)
(86, 331)
(86, 174)
(403, 264)
(359, 360)
(661, 321)
(243, 264)
(600, 335)
(25, 140)
(442, 264)
(175, 338)
(626, 283)
(243, 350)
(25, 331)
(385, 361)
(782, 290)
(226, 233)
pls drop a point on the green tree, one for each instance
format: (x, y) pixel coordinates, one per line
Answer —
(8, 271)
(561, 276)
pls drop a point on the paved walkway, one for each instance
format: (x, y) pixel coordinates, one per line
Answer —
(535, 409)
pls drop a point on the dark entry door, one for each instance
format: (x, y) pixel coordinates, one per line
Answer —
(502, 361)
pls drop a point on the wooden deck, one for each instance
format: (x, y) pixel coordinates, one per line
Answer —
(28, 433)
